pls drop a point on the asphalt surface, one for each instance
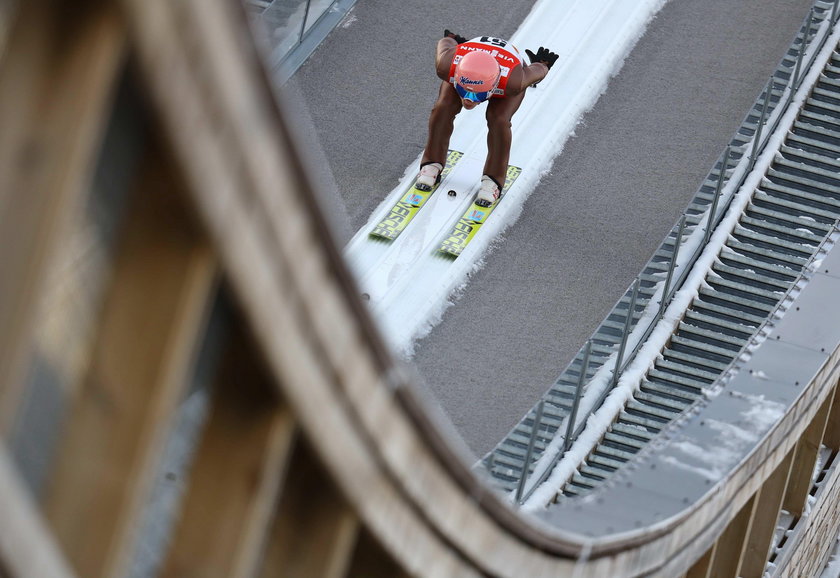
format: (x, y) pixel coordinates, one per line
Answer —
(361, 104)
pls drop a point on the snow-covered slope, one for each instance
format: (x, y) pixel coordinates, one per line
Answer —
(409, 285)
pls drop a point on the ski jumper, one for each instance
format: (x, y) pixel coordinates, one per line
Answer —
(505, 53)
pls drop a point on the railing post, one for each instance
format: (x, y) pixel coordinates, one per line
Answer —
(761, 121)
(526, 466)
(624, 336)
(713, 212)
(677, 242)
(801, 56)
(808, 25)
(303, 24)
(570, 425)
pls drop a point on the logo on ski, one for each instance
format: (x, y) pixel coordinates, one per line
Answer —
(414, 199)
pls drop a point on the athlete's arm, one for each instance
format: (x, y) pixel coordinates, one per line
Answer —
(533, 73)
(524, 76)
(544, 59)
(446, 48)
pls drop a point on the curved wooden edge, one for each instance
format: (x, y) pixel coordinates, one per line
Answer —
(406, 481)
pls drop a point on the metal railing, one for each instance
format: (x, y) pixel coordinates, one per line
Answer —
(292, 29)
(706, 210)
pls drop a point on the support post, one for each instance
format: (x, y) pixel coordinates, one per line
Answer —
(677, 242)
(627, 322)
(713, 212)
(801, 55)
(570, 425)
(526, 465)
(762, 119)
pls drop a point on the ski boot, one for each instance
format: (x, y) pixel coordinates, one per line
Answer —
(429, 176)
(489, 192)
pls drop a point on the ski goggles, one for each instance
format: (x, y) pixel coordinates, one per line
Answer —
(469, 95)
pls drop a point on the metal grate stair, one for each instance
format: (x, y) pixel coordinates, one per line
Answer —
(792, 211)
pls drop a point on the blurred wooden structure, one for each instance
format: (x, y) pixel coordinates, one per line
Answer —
(161, 249)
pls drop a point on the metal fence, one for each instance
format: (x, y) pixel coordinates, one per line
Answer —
(525, 458)
(293, 29)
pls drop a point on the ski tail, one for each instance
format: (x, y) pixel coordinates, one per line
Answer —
(475, 216)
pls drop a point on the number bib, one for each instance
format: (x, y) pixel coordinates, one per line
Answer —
(505, 53)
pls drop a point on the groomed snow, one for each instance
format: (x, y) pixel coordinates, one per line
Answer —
(408, 284)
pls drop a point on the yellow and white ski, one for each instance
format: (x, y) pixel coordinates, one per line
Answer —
(469, 224)
(410, 204)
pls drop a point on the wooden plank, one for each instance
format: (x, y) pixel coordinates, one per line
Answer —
(235, 481)
(764, 519)
(55, 82)
(153, 316)
(703, 565)
(807, 450)
(26, 546)
(731, 544)
(831, 439)
(315, 530)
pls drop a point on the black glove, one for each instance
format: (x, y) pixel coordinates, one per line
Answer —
(449, 34)
(543, 55)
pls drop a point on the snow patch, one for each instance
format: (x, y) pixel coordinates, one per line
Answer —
(732, 440)
(350, 19)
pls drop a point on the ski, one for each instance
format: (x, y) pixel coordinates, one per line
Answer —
(469, 224)
(410, 204)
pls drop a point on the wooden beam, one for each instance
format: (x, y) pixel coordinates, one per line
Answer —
(26, 546)
(234, 484)
(831, 439)
(56, 79)
(765, 517)
(703, 565)
(154, 313)
(732, 542)
(315, 530)
(807, 450)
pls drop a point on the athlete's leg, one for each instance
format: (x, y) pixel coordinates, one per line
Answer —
(441, 123)
(500, 111)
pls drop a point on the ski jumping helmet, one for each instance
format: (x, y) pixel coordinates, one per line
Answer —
(476, 75)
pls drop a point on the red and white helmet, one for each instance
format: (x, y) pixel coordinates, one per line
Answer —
(476, 75)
